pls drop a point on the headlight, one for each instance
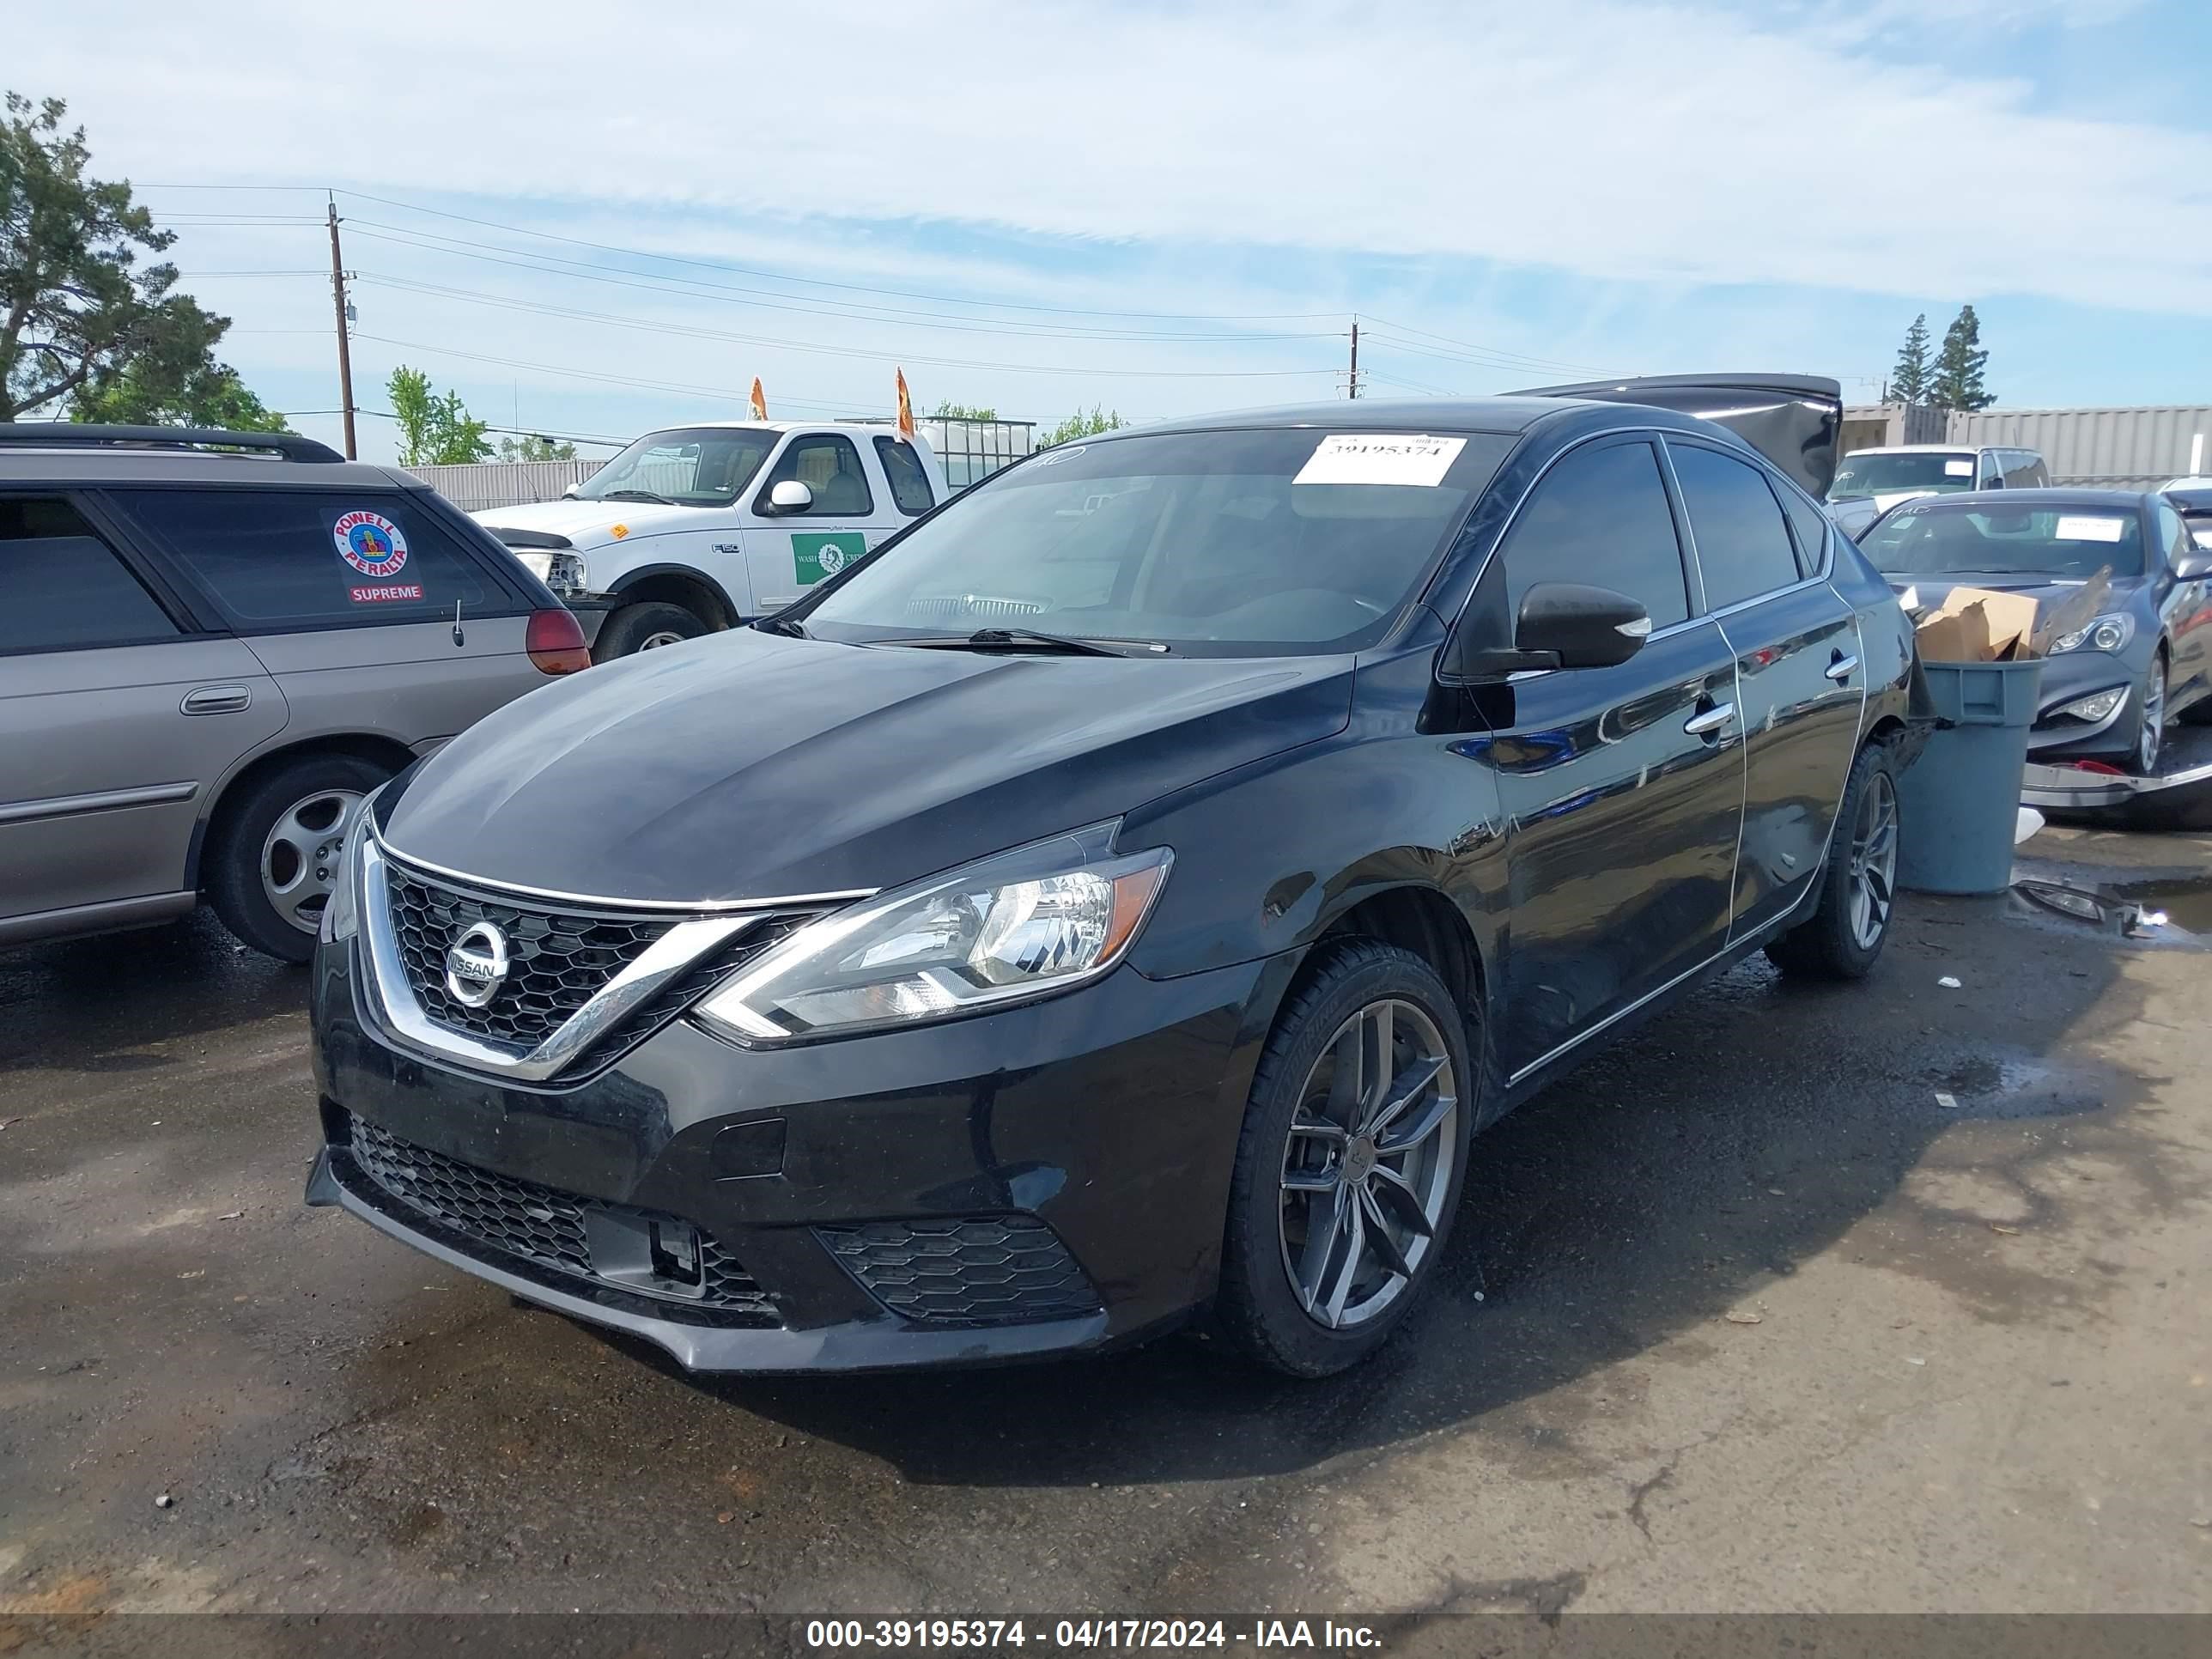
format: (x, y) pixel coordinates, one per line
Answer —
(341, 911)
(2110, 633)
(562, 572)
(2094, 708)
(1022, 924)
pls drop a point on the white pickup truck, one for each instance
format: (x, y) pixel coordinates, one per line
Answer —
(703, 526)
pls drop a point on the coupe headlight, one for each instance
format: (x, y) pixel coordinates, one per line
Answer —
(562, 572)
(341, 911)
(2110, 633)
(1022, 924)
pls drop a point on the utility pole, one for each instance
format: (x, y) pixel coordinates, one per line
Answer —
(345, 348)
(1351, 387)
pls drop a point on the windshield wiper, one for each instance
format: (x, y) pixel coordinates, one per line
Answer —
(635, 495)
(985, 638)
(789, 627)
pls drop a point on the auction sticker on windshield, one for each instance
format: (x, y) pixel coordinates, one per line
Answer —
(2080, 527)
(1380, 458)
(371, 544)
(1958, 469)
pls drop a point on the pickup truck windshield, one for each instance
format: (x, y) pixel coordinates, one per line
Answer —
(1257, 543)
(693, 466)
(1877, 475)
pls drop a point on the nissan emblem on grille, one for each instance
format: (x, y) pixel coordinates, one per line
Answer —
(475, 966)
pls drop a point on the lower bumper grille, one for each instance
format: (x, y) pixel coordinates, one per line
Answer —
(485, 1214)
(973, 1270)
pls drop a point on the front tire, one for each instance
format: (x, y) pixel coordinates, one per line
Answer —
(1841, 940)
(2150, 733)
(645, 627)
(1349, 1169)
(274, 858)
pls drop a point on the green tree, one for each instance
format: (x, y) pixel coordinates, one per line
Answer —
(963, 412)
(535, 447)
(1080, 425)
(433, 430)
(82, 324)
(210, 395)
(1910, 382)
(1958, 383)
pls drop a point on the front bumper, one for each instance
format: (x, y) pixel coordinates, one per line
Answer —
(898, 1199)
(2070, 677)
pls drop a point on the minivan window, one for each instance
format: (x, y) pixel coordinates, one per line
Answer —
(909, 482)
(275, 560)
(1934, 538)
(687, 466)
(1220, 543)
(65, 589)
(1601, 516)
(827, 464)
(1743, 543)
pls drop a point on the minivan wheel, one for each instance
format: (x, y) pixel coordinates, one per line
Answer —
(645, 627)
(1858, 886)
(1349, 1169)
(274, 862)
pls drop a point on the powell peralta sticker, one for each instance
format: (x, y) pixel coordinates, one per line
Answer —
(371, 544)
(820, 554)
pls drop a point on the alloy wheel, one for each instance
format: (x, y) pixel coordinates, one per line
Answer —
(665, 636)
(300, 853)
(1368, 1166)
(1873, 861)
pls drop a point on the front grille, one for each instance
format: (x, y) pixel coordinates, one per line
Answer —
(970, 1270)
(558, 958)
(538, 1225)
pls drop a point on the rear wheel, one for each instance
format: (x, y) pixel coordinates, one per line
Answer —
(645, 627)
(1843, 936)
(274, 859)
(1349, 1169)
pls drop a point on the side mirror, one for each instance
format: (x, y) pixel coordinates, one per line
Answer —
(1579, 626)
(571, 493)
(2194, 566)
(789, 496)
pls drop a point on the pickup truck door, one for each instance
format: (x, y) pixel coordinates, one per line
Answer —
(788, 552)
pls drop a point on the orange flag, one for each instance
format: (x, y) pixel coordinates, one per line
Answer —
(760, 400)
(906, 407)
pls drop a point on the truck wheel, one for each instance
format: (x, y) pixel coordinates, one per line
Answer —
(274, 859)
(645, 627)
(1349, 1168)
(1858, 891)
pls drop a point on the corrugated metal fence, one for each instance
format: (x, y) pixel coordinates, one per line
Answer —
(2110, 448)
(504, 483)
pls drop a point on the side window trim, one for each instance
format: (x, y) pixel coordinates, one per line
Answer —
(1774, 480)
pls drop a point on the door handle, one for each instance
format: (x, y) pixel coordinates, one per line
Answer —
(1840, 670)
(217, 700)
(1712, 720)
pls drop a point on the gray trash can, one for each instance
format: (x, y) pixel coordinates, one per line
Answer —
(1960, 802)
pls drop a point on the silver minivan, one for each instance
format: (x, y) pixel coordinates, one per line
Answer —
(212, 646)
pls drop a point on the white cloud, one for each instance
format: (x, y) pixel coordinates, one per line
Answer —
(1606, 138)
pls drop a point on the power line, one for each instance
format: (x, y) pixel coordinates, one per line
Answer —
(1488, 351)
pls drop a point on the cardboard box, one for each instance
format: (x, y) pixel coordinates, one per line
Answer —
(1975, 624)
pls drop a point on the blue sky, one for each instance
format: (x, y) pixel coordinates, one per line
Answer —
(1160, 207)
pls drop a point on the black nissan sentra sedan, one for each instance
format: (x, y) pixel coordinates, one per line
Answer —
(1125, 894)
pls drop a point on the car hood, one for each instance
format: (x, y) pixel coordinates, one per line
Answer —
(746, 765)
(592, 523)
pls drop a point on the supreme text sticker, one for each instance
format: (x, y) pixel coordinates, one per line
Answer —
(2081, 527)
(386, 595)
(371, 544)
(1380, 457)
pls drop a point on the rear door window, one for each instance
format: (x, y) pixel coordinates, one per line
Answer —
(1743, 541)
(62, 588)
(1601, 516)
(909, 480)
(275, 561)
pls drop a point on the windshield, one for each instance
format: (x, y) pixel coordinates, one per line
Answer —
(1275, 542)
(693, 466)
(1878, 475)
(1931, 538)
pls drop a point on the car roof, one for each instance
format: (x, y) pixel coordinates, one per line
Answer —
(1926, 449)
(2108, 501)
(1503, 415)
(125, 463)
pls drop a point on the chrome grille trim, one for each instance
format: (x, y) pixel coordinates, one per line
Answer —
(393, 1000)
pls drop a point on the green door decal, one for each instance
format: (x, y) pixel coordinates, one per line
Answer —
(819, 554)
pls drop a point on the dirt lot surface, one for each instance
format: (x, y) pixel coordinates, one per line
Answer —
(1891, 1297)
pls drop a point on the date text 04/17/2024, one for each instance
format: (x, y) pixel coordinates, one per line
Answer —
(895, 1635)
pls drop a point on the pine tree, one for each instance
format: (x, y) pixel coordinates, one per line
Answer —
(1909, 382)
(1958, 382)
